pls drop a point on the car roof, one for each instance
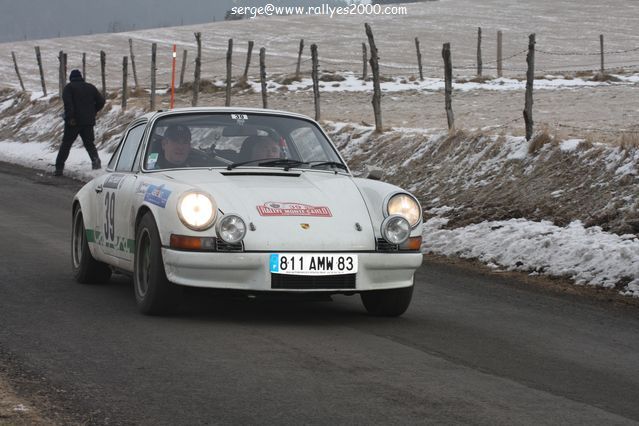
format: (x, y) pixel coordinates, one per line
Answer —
(177, 111)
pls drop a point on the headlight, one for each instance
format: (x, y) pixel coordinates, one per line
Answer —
(197, 210)
(395, 229)
(231, 228)
(405, 205)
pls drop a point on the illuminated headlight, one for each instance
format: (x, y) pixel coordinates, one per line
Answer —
(197, 210)
(395, 229)
(231, 228)
(405, 205)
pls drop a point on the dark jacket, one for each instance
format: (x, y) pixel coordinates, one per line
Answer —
(82, 101)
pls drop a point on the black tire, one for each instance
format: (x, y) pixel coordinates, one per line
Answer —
(387, 303)
(154, 293)
(86, 270)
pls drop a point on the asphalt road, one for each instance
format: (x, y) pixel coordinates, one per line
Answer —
(472, 348)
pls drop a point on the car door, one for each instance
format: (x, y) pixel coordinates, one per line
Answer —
(114, 201)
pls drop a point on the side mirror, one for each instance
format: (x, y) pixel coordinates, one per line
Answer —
(373, 173)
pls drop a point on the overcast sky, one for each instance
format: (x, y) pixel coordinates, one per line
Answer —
(35, 19)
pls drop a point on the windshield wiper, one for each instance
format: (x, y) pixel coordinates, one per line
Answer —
(327, 163)
(270, 161)
(287, 163)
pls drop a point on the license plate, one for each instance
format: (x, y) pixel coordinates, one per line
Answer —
(313, 264)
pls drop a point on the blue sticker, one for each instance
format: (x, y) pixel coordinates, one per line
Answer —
(157, 195)
(275, 263)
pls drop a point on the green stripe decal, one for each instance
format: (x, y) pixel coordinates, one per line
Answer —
(120, 243)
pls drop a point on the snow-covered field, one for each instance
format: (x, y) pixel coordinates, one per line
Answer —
(567, 42)
(571, 26)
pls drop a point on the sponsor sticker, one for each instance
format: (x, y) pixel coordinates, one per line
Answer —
(157, 195)
(273, 208)
(113, 181)
(152, 160)
(239, 118)
(142, 187)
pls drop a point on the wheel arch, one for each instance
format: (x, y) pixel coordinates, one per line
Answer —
(144, 209)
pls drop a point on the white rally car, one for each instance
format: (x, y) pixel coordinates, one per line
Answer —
(243, 199)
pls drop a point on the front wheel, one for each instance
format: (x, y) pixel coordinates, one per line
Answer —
(154, 293)
(387, 303)
(85, 268)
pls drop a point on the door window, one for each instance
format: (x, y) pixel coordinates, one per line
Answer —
(130, 148)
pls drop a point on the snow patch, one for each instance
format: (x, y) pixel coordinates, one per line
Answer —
(586, 255)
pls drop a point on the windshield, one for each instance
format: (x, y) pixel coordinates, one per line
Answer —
(238, 140)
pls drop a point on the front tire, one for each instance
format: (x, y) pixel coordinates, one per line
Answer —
(387, 303)
(154, 293)
(86, 269)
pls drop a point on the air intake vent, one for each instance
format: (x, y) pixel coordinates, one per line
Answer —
(385, 246)
(221, 245)
(305, 282)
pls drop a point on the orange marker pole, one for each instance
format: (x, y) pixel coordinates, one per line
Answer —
(173, 77)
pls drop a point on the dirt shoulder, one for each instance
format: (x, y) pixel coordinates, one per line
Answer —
(17, 410)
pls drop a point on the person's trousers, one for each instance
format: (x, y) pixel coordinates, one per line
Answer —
(70, 135)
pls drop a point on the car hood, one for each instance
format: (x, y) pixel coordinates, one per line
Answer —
(291, 211)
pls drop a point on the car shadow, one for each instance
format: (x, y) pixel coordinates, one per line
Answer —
(201, 304)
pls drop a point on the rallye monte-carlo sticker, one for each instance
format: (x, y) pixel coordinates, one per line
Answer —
(157, 195)
(273, 208)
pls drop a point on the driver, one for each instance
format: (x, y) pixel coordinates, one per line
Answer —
(176, 147)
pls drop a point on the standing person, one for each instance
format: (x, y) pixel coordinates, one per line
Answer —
(82, 101)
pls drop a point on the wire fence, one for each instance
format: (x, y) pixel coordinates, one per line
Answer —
(214, 59)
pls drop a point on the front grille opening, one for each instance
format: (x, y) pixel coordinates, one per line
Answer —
(222, 245)
(312, 282)
(384, 246)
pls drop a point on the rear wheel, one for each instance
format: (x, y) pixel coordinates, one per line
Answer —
(85, 268)
(154, 293)
(387, 303)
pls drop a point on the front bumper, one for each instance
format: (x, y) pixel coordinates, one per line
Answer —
(250, 271)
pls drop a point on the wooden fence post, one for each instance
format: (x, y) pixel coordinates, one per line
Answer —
(103, 68)
(84, 66)
(377, 92)
(601, 45)
(419, 60)
(364, 62)
(39, 59)
(315, 76)
(448, 86)
(229, 65)
(263, 77)
(15, 64)
(479, 63)
(135, 73)
(248, 61)
(125, 87)
(198, 68)
(60, 73)
(154, 51)
(184, 54)
(64, 69)
(530, 78)
(299, 59)
(499, 54)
